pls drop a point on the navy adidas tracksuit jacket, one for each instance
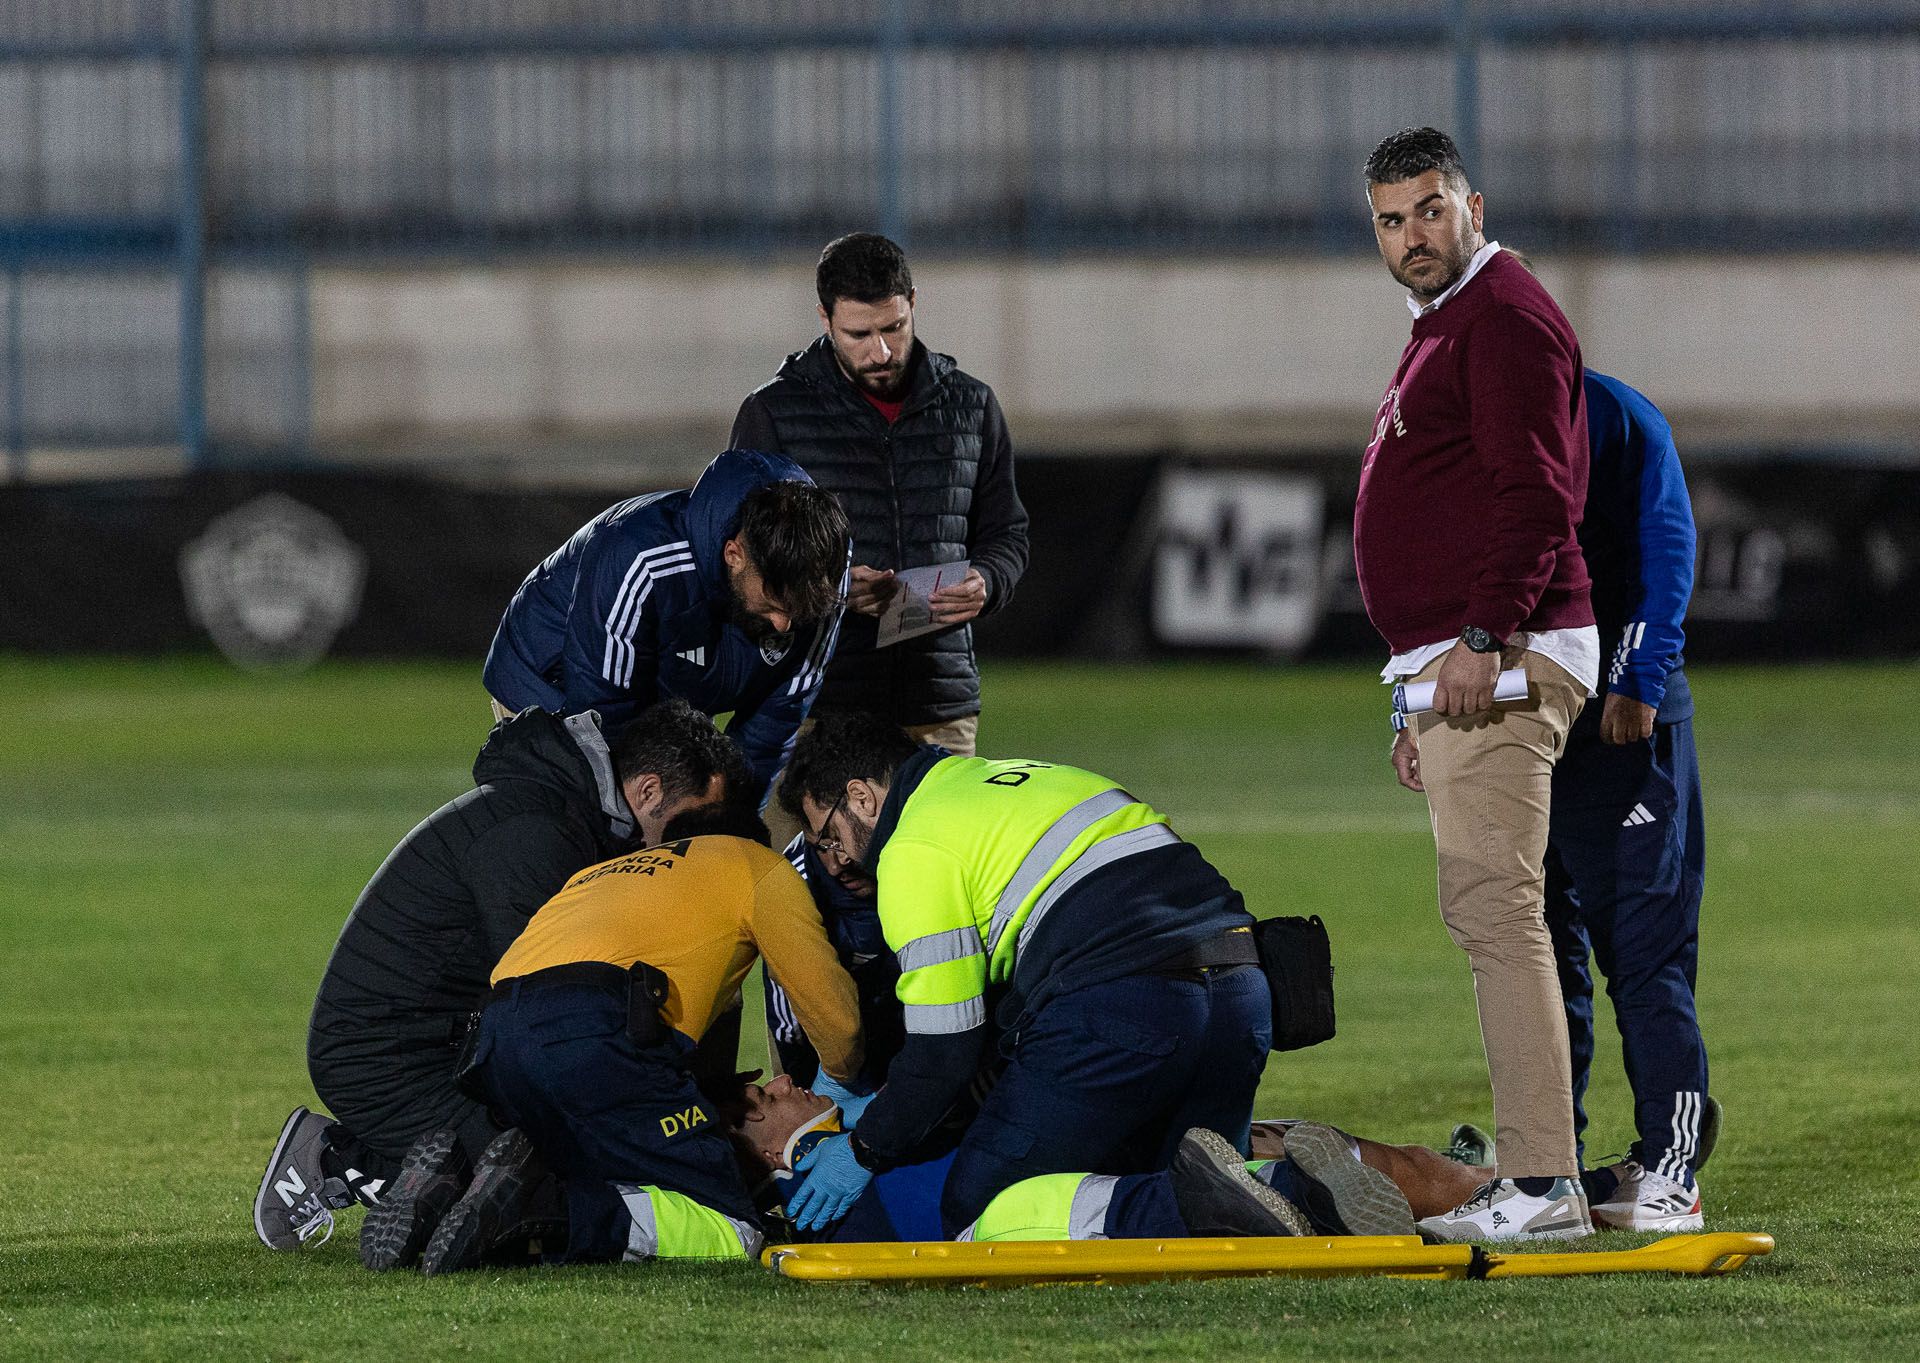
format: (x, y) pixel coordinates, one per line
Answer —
(636, 606)
(1625, 857)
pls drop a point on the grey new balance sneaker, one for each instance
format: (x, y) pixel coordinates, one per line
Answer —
(1217, 1196)
(1343, 1196)
(495, 1203)
(294, 1206)
(1500, 1211)
(431, 1180)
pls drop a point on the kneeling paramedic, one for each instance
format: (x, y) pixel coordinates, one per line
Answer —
(1127, 998)
(594, 1013)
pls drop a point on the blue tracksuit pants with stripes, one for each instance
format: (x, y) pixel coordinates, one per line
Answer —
(1625, 870)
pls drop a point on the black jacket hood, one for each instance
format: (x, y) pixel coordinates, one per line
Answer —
(568, 755)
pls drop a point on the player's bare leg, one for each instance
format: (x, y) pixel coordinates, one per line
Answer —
(1431, 1182)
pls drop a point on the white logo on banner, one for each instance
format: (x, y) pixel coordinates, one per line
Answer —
(1238, 559)
(273, 582)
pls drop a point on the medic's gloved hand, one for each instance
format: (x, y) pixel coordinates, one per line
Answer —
(850, 1103)
(834, 1179)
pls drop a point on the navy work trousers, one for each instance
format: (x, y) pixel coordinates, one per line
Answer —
(1626, 864)
(606, 1115)
(1106, 1079)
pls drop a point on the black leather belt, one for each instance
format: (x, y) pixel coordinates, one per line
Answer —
(640, 989)
(593, 974)
(1232, 947)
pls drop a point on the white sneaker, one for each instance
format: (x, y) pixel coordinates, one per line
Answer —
(1500, 1211)
(1645, 1200)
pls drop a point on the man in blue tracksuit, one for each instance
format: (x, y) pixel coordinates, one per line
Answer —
(727, 595)
(1625, 852)
(853, 926)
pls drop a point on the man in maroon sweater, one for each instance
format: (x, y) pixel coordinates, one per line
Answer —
(1464, 540)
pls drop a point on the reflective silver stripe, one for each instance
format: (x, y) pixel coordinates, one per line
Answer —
(751, 1240)
(944, 1019)
(1052, 846)
(643, 1238)
(936, 948)
(1102, 853)
(1088, 1218)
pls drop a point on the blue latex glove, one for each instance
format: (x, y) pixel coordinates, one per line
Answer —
(851, 1104)
(834, 1180)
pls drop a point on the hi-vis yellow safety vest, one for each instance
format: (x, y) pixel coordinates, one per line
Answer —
(981, 852)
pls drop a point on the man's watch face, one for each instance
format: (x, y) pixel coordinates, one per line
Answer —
(1478, 640)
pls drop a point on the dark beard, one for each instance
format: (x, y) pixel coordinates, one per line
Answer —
(888, 389)
(751, 625)
(1456, 264)
(863, 833)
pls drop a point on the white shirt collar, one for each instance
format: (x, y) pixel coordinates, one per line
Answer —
(1480, 257)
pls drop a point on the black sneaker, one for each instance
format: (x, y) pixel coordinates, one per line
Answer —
(1342, 1195)
(1709, 1133)
(494, 1204)
(1217, 1196)
(431, 1180)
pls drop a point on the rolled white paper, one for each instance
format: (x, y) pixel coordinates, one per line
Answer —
(1414, 698)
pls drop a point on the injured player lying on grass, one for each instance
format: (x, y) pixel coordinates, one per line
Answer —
(1305, 1179)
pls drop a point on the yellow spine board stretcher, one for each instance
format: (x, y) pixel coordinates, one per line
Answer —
(1023, 1262)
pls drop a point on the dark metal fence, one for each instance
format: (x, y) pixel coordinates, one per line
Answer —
(159, 154)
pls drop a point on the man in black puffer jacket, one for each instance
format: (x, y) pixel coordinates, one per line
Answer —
(412, 964)
(917, 451)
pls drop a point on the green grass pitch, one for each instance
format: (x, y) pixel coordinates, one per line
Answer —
(179, 844)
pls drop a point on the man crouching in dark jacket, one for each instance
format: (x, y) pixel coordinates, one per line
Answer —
(411, 967)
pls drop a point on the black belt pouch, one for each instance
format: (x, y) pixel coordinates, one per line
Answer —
(1297, 960)
(646, 996)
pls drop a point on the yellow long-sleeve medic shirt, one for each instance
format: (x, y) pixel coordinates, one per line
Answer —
(700, 911)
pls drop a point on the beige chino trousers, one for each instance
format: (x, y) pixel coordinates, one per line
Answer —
(1489, 787)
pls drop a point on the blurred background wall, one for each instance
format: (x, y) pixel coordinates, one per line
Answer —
(554, 242)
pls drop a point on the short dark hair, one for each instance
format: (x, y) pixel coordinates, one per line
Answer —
(732, 1103)
(863, 266)
(796, 535)
(732, 819)
(672, 740)
(1415, 151)
(843, 746)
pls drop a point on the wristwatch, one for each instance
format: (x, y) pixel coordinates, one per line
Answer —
(1478, 640)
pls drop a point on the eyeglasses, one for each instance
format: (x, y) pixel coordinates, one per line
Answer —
(820, 842)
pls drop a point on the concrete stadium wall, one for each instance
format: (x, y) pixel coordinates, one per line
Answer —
(1206, 356)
